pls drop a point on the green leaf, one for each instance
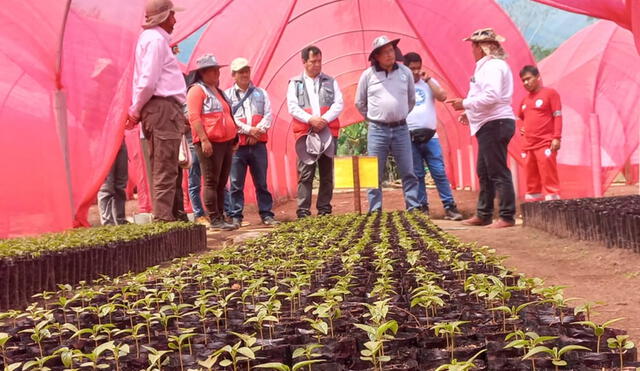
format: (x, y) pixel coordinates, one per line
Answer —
(536, 350)
(225, 363)
(299, 365)
(247, 352)
(274, 366)
(570, 348)
(299, 352)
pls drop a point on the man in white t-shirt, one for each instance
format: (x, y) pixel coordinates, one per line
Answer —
(425, 144)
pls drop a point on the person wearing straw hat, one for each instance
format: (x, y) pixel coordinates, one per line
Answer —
(385, 96)
(314, 101)
(487, 111)
(214, 135)
(159, 91)
(252, 111)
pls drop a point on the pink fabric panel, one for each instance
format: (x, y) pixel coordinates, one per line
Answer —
(345, 41)
(613, 10)
(96, 51)
(195, 14)
(590, 71)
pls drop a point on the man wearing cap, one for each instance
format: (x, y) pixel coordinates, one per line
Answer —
(252, 111)
(385, 96)
(487, 110)
(314, 101)
(425, 144)
(159, 91)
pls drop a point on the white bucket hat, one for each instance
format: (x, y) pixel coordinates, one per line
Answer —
(157, 11)
(312, 145)
(379, 42)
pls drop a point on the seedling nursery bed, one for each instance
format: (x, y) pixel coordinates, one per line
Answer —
(39, 264)
(614, 221)
(387, 291)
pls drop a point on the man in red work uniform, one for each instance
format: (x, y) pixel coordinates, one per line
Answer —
(541, 113)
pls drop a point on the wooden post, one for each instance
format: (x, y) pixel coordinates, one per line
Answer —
(356, 184)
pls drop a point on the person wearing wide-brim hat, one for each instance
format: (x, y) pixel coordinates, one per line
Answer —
(487, 111)
(159, 91)
(385, 96)
(214, 135)
(314, 101)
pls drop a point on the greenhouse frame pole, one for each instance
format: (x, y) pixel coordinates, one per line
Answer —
(60, 110)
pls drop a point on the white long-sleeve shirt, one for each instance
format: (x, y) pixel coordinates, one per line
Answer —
(267, 118)
(156, 70)
(312, 90)
(490, 93)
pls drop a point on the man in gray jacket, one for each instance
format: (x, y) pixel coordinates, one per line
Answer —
(385, 96)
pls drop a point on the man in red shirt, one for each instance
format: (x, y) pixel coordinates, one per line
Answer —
(541, 113)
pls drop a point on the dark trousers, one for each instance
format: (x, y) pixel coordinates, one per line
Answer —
(163, 124)
(255, 158)
(495, 177)
(306, 173)
(215, 170)
(112, 196)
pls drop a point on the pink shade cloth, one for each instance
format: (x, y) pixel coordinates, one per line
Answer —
(97, 40)
(344, 31)
(591, 72)
(624, 12)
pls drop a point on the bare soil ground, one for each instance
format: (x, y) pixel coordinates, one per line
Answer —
(591, 271)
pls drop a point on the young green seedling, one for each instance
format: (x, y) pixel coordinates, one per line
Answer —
(282, 367)
(555, 353)
(526, 341)
(94, 356)
(598, 330)
(157, 358)
(587, 308)
(4, 338)
(513, 312)
(449, 330)
(621, 344)
(178, 343)
(456, 365)
(374, 348)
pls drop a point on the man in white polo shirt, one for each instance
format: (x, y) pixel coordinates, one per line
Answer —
(425, 144)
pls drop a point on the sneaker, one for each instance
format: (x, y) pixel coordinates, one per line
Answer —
(221, 225)
(269, 220)
(452, 213)
(236, 222)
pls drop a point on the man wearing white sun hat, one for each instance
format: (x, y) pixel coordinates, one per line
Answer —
(159, 91)
(385, 96)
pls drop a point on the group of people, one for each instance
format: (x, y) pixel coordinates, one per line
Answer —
(229, 128)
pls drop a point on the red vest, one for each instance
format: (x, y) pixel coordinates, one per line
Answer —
(326, 95)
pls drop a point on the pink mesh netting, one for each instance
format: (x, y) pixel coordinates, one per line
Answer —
(591, 72)
(62, 113)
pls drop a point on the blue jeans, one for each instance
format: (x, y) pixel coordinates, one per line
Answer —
(255, 158)
(195, 180)
(381, 140)
(431, 153)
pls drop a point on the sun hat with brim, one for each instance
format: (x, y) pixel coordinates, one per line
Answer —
(206, 61)
(485, 35)
(157, 11)
(312, 145)
(238, 64)
(379, 42)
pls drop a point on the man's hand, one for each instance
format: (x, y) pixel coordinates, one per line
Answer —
(317, 123)
(456, 104)
(207, 148)
(425, 76)
(131, 122)
(463, 119)
(251, 141)
(555, 144)
(522, 130)
(254, 132)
